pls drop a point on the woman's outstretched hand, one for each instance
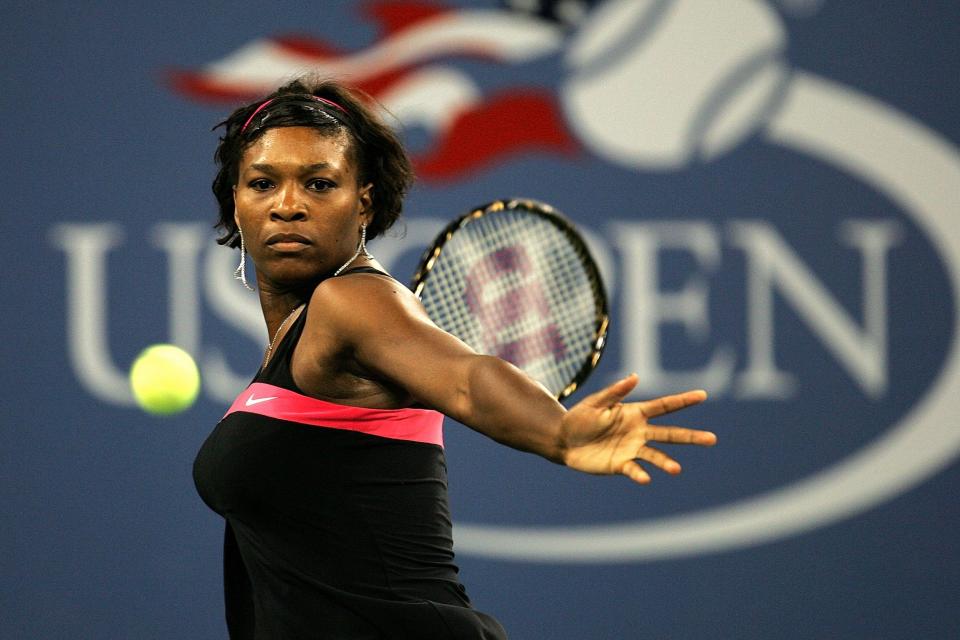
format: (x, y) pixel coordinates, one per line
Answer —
(604, 435)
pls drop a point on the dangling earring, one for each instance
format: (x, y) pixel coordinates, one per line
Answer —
(361, 249)
(363, 241)
(240, 273)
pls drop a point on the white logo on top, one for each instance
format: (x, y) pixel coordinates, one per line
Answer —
(252, 401)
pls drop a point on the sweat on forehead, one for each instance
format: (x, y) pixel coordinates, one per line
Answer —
(299, 149)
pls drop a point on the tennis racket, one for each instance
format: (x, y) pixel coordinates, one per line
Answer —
(514, 279)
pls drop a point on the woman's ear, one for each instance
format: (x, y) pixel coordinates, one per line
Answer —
(366, 203)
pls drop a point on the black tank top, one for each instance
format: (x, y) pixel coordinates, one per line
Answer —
(337, 523)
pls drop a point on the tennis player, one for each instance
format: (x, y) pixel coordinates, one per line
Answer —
(329, 468)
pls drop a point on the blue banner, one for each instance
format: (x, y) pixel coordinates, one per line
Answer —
(772, 191)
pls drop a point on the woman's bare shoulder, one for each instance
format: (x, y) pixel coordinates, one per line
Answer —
(365, 299)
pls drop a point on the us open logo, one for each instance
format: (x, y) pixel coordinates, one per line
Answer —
(737, 83)
(650, 91)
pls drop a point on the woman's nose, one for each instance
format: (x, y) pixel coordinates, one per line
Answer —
(289, 205)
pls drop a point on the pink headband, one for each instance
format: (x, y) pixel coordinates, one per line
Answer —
(264, 105)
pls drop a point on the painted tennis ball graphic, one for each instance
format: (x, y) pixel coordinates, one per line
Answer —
(164, 380)
(655, 83)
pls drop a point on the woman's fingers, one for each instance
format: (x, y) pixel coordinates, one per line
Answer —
(669, 404)
(680, 435)
(635, 472)
(660, 459)
(611, 395)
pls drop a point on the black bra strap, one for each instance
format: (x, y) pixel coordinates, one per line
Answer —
(365, 270)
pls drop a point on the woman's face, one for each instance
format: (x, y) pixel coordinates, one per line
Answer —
(299, 205)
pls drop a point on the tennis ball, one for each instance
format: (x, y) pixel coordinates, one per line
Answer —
(659, 83)
(164, 379)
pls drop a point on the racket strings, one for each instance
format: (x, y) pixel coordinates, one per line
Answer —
(516, 285)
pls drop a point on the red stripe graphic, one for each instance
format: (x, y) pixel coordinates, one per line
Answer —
(414, 425)
(394, 17)
(470, 129)
(505, 124)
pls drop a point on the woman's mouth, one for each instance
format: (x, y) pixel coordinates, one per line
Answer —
(285, 242)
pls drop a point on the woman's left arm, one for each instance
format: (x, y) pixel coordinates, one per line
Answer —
(391, 335)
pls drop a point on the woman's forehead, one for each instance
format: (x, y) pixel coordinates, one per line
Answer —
(299, 146)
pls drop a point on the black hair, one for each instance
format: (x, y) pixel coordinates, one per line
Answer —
(375, 149)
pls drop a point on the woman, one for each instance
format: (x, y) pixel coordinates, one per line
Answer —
(329, 468)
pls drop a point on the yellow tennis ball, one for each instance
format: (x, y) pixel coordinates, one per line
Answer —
(164, 379)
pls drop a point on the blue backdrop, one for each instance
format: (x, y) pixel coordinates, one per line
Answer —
(772, 189)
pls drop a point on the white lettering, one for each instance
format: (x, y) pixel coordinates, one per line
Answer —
(239, 308)
(772, 267)
(86, 247)
(874, 239)
(182, 243)
(647, 307)
(772, 264)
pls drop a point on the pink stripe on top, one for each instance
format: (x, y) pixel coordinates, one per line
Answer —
(415, 425)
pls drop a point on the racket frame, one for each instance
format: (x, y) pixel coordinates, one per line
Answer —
(545, 211)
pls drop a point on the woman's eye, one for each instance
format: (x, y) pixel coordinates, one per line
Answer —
(260, 184)
(320, 185)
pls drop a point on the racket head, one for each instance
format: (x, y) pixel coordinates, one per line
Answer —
(515, 279)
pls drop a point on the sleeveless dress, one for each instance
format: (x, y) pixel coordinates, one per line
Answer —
(337, 522)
